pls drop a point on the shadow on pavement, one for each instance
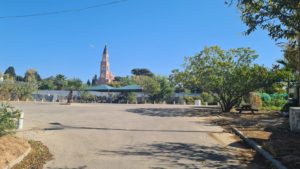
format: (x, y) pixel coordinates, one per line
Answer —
(181, 155)
(80, 167)
(59, 126)
(177, 112)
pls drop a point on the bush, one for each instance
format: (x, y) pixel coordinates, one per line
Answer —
(8, 117)
(206, 97)
(274, 101)
(132, 98)
(265, 97)
(191, 99)
(87, 97)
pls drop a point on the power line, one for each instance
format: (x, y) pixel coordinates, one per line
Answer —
(63, 11)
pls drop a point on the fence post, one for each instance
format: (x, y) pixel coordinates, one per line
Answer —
(21, 121)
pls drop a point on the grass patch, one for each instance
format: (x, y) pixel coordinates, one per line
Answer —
(36, 159)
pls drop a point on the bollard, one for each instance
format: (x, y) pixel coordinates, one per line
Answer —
(154, 102)
(174, 102)
(21, 121)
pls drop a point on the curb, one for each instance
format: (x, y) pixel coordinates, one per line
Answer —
(258, 148)
(18, 160)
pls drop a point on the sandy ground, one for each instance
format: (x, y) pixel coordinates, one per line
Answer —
(11, 148)
(128, 137)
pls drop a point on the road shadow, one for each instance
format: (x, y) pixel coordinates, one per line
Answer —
(183, 155)
(59, 126)
(177, 112)
(80, 167)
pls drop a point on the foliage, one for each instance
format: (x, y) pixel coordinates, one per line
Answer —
(60, 81)
(88, 83)
(8, 116)
(131, 97)
(12, 90)
(275, 100)
(281, 18)
(150, 86)
(94, 80)
(166, 90)
(85, 96)
(182, 82)
(32, 76)
(191, 99)
(11, 72)
(142, 72)
(48, 84)
(231, 75)
(206, 97)
(24, 90)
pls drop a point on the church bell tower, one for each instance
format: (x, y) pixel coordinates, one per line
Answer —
(105, 74)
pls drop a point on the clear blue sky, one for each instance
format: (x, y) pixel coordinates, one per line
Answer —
(154, 34)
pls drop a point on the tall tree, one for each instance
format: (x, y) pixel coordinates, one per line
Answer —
(73, 84)
(47, 84)
(281, 18)
(32, 75)
(11, 72)
(142, 72)
(60, 81)
(231, 74)
(94, 80)
(88, 82)
(151, 87)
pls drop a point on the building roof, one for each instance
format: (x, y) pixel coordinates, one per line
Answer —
(101, 88)
(130, 88)
(107, 88)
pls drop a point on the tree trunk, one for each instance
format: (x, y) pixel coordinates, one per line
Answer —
(70, 97)
(298, 41)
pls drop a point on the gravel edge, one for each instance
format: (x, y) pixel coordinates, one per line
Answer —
(259, 149)
(18, 160)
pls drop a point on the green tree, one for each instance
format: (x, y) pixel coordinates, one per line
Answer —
(11, 72)
(60, 81)
(32, 75)
(230, 75)
(88, 83)
(142, 72)
(166, 89)
(73, 84)
(151, 87)
(94, 80)
(281, 18)
(24, 90)
(47, 84)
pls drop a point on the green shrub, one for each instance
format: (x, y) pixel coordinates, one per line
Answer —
(206, 97)
(191, 99)
(87, 97)
(265, 97)
(8, 117)
(274, 101)
(132, 98)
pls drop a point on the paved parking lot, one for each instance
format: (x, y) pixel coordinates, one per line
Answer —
(112, 136)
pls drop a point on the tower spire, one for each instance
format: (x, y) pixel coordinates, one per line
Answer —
(105, 74)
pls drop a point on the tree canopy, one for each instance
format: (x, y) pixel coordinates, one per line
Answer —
(11, 72)
(281, 18)
(142, 72)
(230, 75)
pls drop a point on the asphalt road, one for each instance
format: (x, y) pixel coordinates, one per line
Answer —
(115, 136)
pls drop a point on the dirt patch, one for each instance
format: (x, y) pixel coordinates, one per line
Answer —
(270, 130)
(36, 159)
(11, 148)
